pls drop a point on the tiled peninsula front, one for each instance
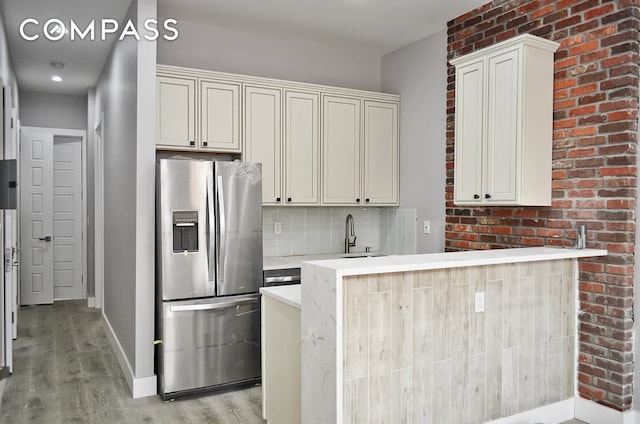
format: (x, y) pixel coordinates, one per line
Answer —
(406, 339)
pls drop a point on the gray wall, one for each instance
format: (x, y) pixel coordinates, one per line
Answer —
(116, 97)
(418, 72)
(204, 47)
(53, 110)
(125, 93)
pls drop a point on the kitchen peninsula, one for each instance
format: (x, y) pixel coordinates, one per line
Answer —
(438, 337)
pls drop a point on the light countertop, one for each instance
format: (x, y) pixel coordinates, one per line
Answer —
(402, 263)
(289, 294)
(295, 261)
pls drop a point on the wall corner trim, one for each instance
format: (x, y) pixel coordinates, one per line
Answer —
(139, 386)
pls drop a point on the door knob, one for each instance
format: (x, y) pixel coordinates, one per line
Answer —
(47, 238)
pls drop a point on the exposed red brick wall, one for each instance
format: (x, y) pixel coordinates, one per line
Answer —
(594, 168)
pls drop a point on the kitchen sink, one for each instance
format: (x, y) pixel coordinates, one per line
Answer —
(364, 255)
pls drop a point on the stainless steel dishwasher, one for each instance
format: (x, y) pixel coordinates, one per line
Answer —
(281, 277)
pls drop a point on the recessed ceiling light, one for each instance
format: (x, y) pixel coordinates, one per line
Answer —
(56, 78)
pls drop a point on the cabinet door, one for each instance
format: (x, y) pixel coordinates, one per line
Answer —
(469, 134)
(219, 116)
(302, 148)
(502, 122)
(262, 121)
(175, 113)
(380, 153)
(340, 150)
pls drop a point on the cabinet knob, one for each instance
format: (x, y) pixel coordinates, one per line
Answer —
(288, 199)
(487, 196)
(366, 200)
(476, 196)
(192, 143)
(277, 199)
(204, 143)
(358, 200)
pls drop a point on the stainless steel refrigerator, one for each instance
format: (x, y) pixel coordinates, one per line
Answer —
(209, 271)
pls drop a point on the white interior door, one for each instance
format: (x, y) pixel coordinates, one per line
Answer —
(36, 214)
(67, 218)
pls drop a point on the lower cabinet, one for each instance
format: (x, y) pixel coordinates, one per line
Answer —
(281, 380)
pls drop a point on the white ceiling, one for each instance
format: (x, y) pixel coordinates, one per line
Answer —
(83, 59)
(378, 26)
(375, 26)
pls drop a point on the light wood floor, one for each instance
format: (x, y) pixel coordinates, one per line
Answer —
(65, 372)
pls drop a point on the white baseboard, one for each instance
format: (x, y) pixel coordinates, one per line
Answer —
(548, 414)
(91, 302)
(140, 387)
(594, 413)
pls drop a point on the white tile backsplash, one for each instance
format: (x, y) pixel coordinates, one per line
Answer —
(308, 231)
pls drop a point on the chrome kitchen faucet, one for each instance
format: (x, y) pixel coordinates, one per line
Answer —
(349, 232)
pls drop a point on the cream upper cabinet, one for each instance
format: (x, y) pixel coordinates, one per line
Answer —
(380, 152)
(318, 145)
(219, 116)
(469, 132)
(503, 123)
(262, 137)
(175, 112)
(341, 151)
(301, 148)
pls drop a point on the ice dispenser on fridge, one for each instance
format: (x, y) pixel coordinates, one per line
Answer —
(185, 231)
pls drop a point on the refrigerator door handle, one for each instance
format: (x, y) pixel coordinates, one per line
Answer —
(212, 306)
(220, 263)
(211, 236)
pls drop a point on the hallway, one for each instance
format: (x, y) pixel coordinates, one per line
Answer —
(65, 372)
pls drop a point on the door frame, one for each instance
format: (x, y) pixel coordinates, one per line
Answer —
(82, 134)
(98, 209)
